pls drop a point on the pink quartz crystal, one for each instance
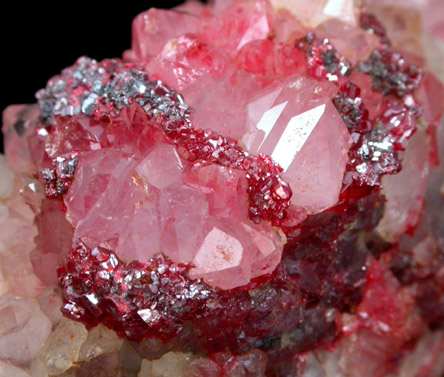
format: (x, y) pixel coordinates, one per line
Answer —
(297, 125)
(255, 189)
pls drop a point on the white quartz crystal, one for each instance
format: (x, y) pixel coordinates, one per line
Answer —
(63, 346)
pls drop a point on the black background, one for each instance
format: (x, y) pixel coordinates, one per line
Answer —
(40, 39)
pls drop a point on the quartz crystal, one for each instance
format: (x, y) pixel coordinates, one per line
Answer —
(255, 189)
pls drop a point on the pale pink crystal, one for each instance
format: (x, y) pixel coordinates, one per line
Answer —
(198, 217)
(50, 303)
(24, 329)
(220, 252)
(195, 8)
(53, 242)
(183, 60)
(102, 188)
(257, 57)
(140, 235)
(268, 248)
(4, 286)
(430, 95)
(119, 211)
(163, 204)
(434, 52)
(9, 370)
(224, 102)
(217, 6)
(37, 369)
(253, 21)
(17, 230)
(403, 26)
(17, 233)
(17, 124)
(296, 124)
(7, 181)
(286, 28)
(21, 277)
(130, 132)
(404, 197)
(433, 22)
(231, 254)
(385, 320)
(351, 41)
(45, 265)
(230, 244)
(372, 99)
(312, 13)
(225, 189)
(426, 356)
(227, 250)
(162, 167)
(416, 27)
(266, 58)
(154, 28)
(430, 12)
(72, 135)
(32, 192)
(183, 214)
(426, 252)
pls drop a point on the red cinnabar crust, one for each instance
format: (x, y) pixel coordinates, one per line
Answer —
(255, 189)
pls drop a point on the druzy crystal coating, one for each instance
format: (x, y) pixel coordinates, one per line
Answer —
(254, 189)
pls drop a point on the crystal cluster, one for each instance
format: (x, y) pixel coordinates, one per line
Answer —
(255, 189)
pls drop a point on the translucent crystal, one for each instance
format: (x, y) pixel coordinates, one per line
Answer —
(404, 197)
(305, 135)
(314, 12)
(100, 341)
(6, 184)
(255, 189)
(12, 371)
(170, 364)
(24, 329)
(62, 349)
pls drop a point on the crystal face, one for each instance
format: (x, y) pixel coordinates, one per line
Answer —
(254, 189)
(297, 125)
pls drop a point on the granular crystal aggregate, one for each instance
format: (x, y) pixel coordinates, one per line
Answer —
(254, 189)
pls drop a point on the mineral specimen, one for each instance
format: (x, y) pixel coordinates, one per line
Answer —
(255, 189)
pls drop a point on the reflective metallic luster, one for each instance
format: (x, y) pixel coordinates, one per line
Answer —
(141, 297)
(391, 73)
(58, 179)
(379, 144)
(323, 60)
(103, 89)
(378, 155)
(381, 150)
